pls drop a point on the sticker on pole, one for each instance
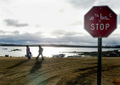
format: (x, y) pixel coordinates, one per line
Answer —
(100, 21)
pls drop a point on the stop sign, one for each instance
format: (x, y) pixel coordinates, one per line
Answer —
(100, 21)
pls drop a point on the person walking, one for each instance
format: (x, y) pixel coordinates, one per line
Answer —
(40, 53)
(28, 52)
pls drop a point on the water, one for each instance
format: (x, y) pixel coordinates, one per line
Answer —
(47, 51)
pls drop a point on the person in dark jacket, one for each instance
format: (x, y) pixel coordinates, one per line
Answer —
(40, 53)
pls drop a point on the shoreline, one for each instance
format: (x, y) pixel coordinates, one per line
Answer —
(56, 45)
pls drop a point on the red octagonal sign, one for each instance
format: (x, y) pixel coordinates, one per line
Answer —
(100, 21)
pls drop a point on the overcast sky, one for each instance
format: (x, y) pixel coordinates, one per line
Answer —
(51, 22)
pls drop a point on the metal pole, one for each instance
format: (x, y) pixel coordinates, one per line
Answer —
(99, 61)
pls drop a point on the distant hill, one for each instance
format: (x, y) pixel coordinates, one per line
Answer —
(55, 45)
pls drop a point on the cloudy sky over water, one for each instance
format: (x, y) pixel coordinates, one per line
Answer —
(51, 22)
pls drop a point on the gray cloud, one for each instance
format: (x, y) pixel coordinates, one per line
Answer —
(6, 32)
(78, 22)
(61, 10)
(16, 32)
(62, 33)
(112, 40)
(15, 23)
(75, 38)
(82, 3)
(111, 3)
(37, 25)
(2, 32)
(118, 17)
(17, 38)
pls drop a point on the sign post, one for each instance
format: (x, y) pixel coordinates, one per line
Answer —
(99, 61)
(100, 22)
